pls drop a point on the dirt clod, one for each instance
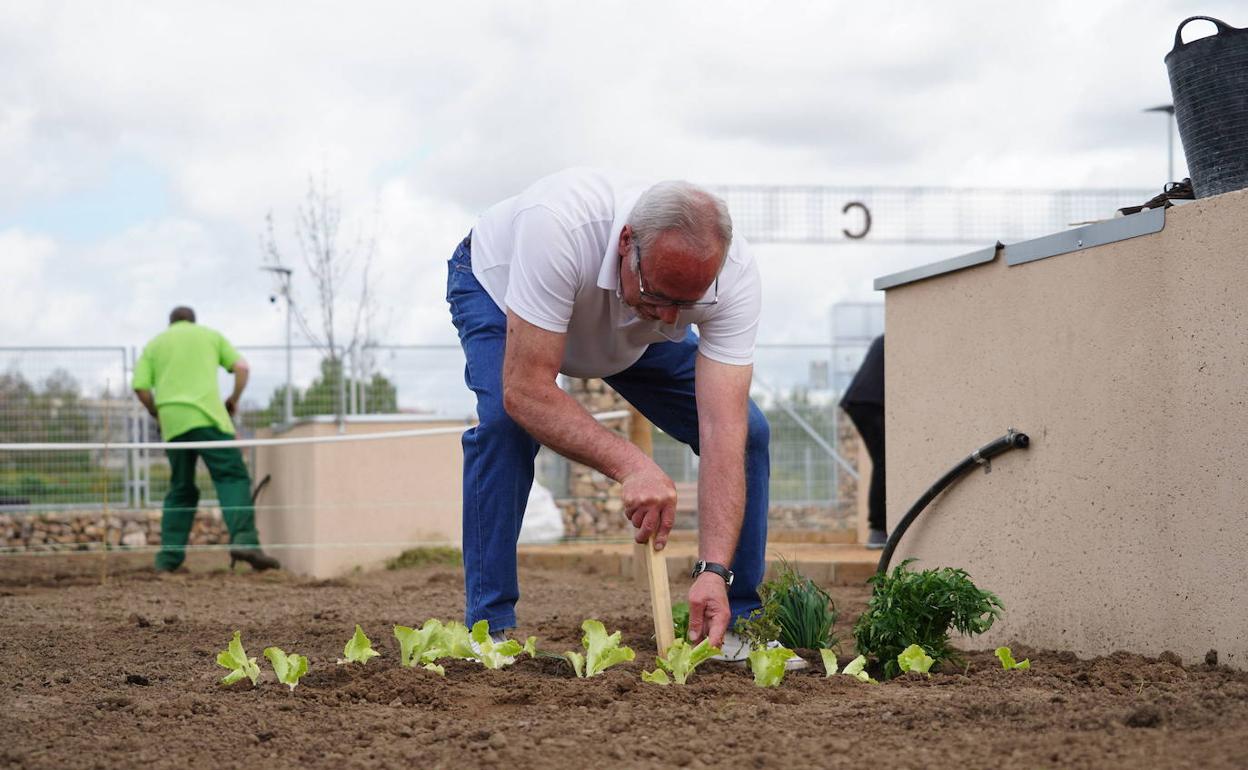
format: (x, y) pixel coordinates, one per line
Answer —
(1147, 715)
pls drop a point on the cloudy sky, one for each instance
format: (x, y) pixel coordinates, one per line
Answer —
(142, 144)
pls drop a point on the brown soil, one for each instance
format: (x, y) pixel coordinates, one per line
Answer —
(123, 674)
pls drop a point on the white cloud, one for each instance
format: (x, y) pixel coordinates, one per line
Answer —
(427, 113)
(28, 263)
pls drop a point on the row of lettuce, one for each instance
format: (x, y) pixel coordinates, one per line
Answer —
(905, 629)
(436, 641)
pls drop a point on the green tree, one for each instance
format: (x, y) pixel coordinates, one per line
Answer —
(321, 396)
(51, 412)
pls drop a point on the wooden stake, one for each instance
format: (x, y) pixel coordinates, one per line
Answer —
(639, 432)
(108, 436)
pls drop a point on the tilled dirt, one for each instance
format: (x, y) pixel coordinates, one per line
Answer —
(123, 674)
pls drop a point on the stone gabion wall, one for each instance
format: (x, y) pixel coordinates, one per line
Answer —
(592, 506)
(80, 530)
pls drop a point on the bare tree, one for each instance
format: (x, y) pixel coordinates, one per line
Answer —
(337, 268)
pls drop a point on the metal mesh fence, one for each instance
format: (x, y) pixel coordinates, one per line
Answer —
(792, 389)
(812, 485)
(931, 215)
(65, 395)
(83, 395)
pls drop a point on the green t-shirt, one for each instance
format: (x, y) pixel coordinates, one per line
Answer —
(180, 366)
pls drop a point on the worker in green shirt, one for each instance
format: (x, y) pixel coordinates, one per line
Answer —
(180, 366)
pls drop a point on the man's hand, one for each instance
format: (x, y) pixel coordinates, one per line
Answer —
(149, 403)
(650, 504)
(241, 372)
(709, 614)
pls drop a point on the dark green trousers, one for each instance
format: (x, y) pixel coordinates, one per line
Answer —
(233, 483)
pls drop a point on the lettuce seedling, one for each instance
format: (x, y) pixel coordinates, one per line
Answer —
(359, 649)
(913, 658)
(456, 642)
(235, 659)
(490, 654)
(680, 662)
(530, 647)
(1007, 660)
(680, 620)
(829, 662)
(289, 668)
(857, 668)
(419, 646)
(767, 663)
(602, 650)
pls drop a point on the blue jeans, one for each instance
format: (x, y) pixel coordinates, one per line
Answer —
(499, 454)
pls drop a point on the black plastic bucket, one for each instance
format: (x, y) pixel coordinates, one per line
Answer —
(1209, 83)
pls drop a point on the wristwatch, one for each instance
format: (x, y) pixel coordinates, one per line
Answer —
(710, 566)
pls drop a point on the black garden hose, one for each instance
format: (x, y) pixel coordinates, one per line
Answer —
(1011, 440)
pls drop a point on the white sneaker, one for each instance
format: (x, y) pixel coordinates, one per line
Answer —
(736, 649)
(498, 637)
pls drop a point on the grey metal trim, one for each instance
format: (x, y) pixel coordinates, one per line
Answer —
(937, 268)
(1086, 237)
(1110, 231)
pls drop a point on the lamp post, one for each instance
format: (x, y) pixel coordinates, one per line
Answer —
(289, 407)
(1169, 110)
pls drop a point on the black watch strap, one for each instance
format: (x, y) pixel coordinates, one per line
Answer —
(710, 566)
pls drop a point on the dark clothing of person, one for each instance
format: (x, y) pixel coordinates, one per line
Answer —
(867, 387)
(233, 484)
(864, 403)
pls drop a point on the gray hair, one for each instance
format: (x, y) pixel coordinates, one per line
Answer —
(697, 215)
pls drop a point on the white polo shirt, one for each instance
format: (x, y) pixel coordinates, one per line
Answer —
(550, 255)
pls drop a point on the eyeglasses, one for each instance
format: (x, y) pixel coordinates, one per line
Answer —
(658, 300)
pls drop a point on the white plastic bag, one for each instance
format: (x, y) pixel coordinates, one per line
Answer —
(543, 521)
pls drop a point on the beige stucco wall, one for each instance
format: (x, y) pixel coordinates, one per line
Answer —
(1125, 525)
(361, 502)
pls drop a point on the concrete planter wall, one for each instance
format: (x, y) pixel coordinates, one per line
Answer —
(355, 504)
(1125, 525)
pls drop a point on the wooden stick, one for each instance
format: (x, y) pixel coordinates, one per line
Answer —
(108, 436)
(639, 432)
